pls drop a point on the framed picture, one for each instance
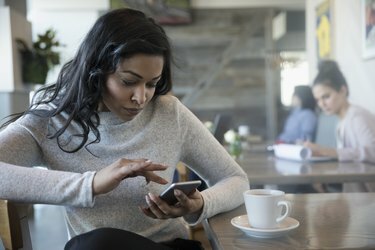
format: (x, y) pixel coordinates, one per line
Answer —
(368, 28)
(324, 30)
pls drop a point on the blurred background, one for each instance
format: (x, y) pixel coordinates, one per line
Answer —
(240, 57)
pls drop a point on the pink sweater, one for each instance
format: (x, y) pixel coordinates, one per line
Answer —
(356, 141)
(356, 136)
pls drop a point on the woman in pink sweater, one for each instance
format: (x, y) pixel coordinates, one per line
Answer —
(355, 134)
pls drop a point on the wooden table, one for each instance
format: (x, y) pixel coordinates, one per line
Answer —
(264, 168)
(327, 221)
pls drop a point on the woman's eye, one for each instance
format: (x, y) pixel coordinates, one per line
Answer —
(152, 84)
(128, 83)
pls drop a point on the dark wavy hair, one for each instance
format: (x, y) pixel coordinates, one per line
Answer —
(117, 35)
(330, 75)
(304, 93)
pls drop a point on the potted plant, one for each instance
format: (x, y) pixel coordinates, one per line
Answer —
(234, 141)
(38, 60)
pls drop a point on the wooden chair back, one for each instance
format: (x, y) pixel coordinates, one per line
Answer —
(326, 130)
(10, 226)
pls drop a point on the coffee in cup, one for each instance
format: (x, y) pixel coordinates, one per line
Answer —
(264, 207)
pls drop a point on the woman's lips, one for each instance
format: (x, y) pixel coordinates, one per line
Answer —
(132, 111)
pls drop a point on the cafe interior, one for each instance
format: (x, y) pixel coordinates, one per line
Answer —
(236, 66)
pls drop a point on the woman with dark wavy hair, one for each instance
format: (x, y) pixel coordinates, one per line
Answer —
(111, 139)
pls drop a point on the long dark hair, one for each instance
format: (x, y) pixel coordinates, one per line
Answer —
(304, 93)
(78, 90)
(330, 75)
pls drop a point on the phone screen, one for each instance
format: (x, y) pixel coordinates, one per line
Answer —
(187, 187)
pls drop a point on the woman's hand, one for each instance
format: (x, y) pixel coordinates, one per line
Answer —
(110, 177)
(318, 150)
(159, 209)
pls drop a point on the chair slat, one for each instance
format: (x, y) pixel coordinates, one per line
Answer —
(10, 226)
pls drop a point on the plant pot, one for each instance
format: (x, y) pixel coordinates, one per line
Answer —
(34, 68)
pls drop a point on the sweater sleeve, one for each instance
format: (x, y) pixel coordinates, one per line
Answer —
(19, 152)
(360, 134)
(208, 158)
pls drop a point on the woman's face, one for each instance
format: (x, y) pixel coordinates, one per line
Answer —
(330, 100)
(131, 87)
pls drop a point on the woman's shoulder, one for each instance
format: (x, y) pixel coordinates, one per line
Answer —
(32, 117)
(36, 118)
(360, 112)
(168, 102)
(32, 123)
(170, 106)
(308, 113)
(359, 117)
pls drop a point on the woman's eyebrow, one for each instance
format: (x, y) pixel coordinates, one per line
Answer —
(137, 75)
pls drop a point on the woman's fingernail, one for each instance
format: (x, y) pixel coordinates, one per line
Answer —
(148, 200)
(177, 192)
(151, 196)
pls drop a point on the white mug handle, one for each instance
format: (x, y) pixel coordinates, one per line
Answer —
(287, 206)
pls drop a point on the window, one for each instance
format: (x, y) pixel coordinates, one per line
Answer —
(294, 71)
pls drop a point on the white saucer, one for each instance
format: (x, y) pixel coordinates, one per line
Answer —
(285, 226)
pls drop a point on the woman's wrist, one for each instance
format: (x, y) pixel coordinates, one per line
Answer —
(193, 218)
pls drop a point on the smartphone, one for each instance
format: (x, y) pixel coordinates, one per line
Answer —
(187, 187)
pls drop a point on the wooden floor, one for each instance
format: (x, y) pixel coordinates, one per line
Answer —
(48, 230)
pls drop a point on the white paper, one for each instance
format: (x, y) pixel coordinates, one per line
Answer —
(292, 152)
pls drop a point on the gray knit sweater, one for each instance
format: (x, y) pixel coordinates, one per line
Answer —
(165, 132)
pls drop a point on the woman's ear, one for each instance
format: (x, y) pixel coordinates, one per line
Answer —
(344, 90)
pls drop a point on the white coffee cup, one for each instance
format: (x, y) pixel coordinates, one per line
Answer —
(264, 207)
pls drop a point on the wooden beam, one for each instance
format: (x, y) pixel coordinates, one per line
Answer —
(272, 78)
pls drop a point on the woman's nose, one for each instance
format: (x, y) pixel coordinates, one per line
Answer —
(139, 95)
(320, 103)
